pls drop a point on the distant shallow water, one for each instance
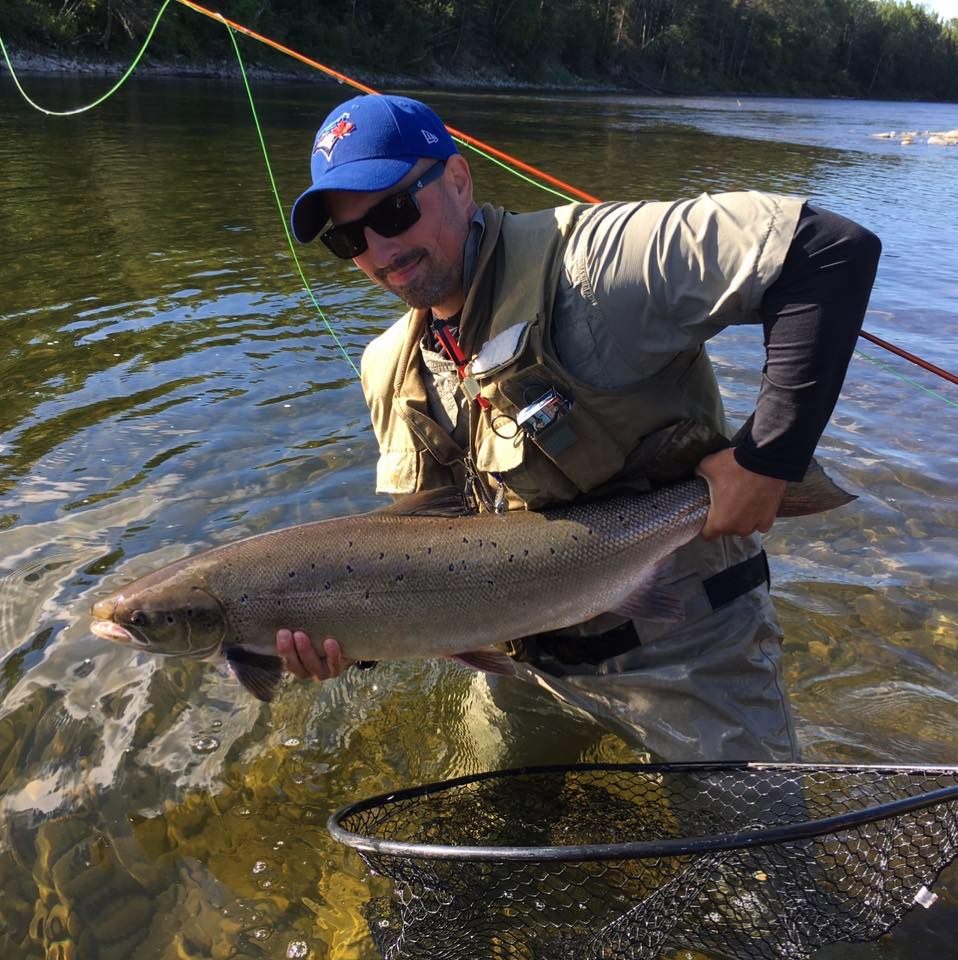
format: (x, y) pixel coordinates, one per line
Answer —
(167, 385)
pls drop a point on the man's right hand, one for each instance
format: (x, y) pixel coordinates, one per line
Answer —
(304, 661)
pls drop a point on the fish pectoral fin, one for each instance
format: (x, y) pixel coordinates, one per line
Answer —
(488, 660)
(258, 672)
(654, 598)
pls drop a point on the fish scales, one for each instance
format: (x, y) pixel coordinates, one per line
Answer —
(481, 579)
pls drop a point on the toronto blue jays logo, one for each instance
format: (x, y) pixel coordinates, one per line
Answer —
(330, 135)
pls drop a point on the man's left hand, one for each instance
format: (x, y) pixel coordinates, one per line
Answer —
(742, 501)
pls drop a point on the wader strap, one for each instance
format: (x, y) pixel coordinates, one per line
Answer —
(731, 583)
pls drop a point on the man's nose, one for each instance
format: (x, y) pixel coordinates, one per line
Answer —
(383, 249)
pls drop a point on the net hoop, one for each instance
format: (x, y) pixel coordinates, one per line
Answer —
(642, 849)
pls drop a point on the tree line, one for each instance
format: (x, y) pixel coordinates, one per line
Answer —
(861, 48)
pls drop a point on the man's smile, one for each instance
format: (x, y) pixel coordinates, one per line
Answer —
(401, 270)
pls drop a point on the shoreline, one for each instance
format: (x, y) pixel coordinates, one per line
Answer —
(54, 64)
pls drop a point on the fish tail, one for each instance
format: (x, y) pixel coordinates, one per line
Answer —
(816, 492)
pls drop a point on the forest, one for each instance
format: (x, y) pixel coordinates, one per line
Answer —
(849, 48)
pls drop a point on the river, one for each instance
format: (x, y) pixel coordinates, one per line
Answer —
(167, 384)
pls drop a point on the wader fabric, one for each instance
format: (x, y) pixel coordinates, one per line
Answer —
(710, 688)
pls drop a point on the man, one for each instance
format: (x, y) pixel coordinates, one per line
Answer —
(558, 354)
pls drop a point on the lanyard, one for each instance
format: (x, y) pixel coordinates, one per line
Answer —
(450, 345)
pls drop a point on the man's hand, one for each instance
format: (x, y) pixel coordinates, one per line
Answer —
(302, 659)
(742, 501)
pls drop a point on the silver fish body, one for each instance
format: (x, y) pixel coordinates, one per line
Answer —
(389, 585)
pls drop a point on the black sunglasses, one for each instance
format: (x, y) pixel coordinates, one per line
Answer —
(390, 217)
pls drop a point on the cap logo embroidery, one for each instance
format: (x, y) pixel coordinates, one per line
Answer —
(430, 136)
(332, 134)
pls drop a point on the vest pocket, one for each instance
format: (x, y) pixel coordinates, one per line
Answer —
(580, 447)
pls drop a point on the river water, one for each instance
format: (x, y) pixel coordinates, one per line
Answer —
(166, 384)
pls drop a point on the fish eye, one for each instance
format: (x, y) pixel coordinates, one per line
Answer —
(139, 619)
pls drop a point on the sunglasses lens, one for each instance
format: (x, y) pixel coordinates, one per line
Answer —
(345, 242)
(393, 215)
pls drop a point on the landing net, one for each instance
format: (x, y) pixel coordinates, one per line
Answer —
(626, 861)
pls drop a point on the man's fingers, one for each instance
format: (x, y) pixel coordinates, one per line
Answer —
(286, 648)
(303, 660)
(315, 663)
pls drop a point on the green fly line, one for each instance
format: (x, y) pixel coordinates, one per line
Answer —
(116, 86)
(279, 205)
(269, 169)
(888, 368)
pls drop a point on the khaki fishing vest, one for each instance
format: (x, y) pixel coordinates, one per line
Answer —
(654, 431)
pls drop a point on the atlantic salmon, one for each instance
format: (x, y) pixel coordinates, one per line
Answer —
(422, 579)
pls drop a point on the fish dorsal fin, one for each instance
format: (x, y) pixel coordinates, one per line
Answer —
(441, 502)
(258, 672)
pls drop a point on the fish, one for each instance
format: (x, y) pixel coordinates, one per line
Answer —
(423, 578)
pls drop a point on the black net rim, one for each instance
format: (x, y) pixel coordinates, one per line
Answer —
(643, 849)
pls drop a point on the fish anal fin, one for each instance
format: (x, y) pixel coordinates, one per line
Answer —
(258, 672)
(654, 598)
(487, 660)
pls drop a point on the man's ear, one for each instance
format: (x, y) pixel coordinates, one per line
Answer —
(460, 178)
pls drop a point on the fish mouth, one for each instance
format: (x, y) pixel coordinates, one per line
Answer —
(111, 630)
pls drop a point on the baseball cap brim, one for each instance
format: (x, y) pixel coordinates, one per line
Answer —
(309, 214)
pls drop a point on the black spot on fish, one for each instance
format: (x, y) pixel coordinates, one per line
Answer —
(349, 569)
(590, 531)
(350, 542)
(170, 618)
(465, 539)
(367, 594)
(525, 553)
(480, 541)
(574, 537)
(407, 556)
(327, 584)
(244, 598)
(381, 555)
(398, 577)
(428, 550)
(312, 566)
(292, 573)
(491, 583)
(493, 544)
(511, 557)
(552, 550)
(451, 567)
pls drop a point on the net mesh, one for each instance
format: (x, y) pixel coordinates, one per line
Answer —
(612, 861)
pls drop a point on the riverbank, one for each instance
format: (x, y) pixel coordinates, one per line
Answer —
(55, 64)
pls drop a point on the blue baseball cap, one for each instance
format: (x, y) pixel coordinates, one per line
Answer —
(367, 144)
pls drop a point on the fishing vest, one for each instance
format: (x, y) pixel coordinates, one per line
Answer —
(654, 431)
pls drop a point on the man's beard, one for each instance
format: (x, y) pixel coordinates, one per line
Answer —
(433, 285)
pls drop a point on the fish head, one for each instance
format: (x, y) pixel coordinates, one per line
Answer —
(172, 619)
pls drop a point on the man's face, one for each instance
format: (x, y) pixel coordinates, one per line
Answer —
(422, 265)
